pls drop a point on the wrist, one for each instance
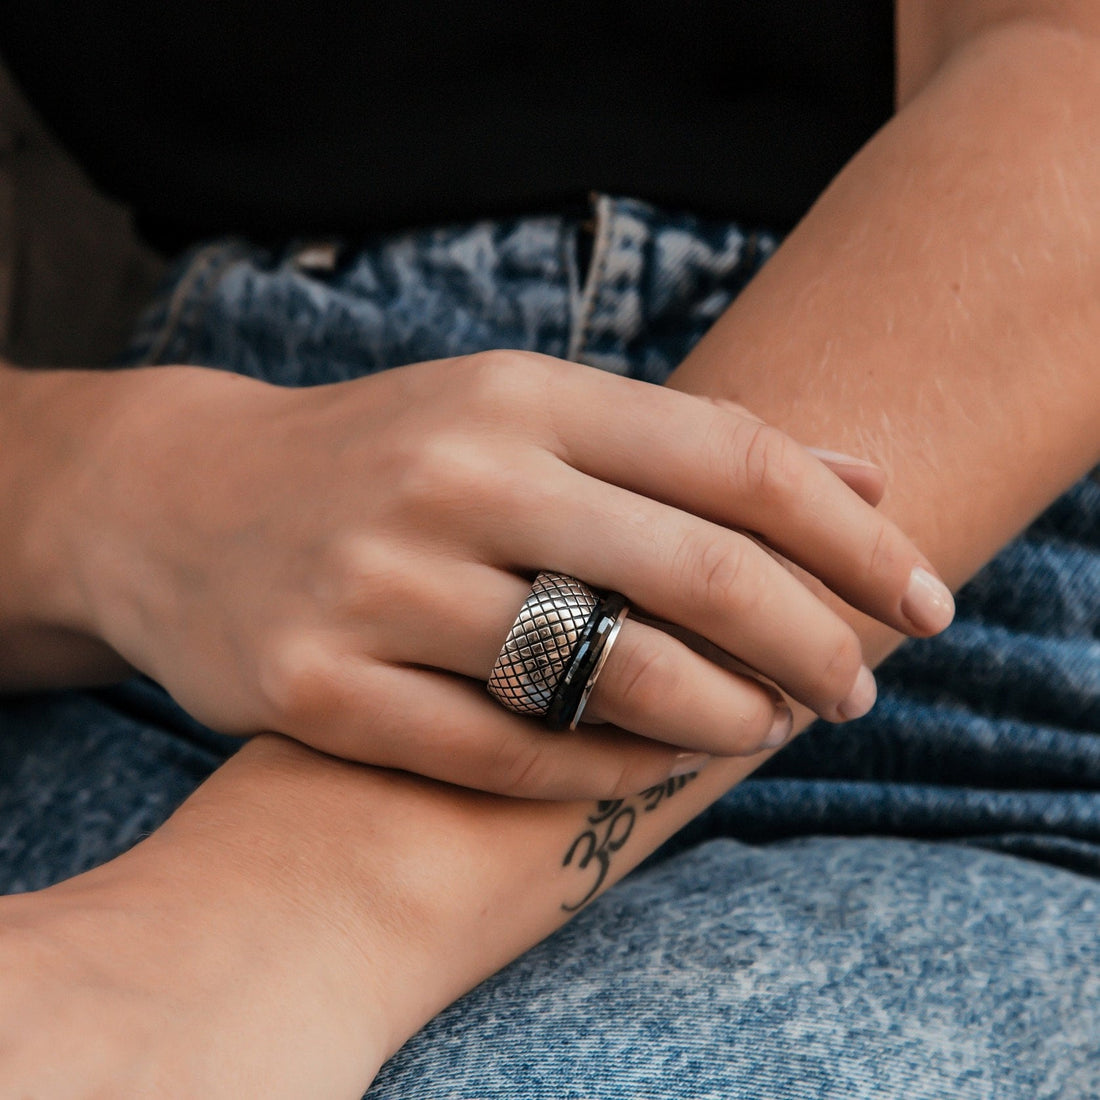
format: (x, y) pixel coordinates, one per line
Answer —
(159, 457)
(421, 890)
(52, 423)
(96, 465)
(46, 419)
(179, 957)
(345, 879)
(52, 419)
(413, 891)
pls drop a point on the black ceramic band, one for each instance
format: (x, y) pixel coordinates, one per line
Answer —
(571, 688)
(573, 674)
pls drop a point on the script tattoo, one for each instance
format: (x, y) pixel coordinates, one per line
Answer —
(607, 829)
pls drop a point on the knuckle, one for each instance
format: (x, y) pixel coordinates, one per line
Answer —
(882, 559)
(367, 577)
(643, 678)
(516, 489)
(299, 685)
(498, 381)
(521, 768)
(770, 464)
(712, 566)
(442, 472)
(840, 670)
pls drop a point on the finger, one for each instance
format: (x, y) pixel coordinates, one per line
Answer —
(449, 728)
(862, 477)
(715, 582)
(716, 463)
(652, 684)
(656, 686)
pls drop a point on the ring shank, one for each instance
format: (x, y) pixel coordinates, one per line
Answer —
(542, 643)
(591, 653)
(556, 649)
(605, 649)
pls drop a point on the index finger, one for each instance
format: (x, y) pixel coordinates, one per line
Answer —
(718, 463)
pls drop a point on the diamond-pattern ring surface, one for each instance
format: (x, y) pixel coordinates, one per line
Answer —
(540, 644)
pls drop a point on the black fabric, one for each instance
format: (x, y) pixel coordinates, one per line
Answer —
(295, 117)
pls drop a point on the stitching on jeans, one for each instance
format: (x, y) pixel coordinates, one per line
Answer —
(204, 261)
(601, 249)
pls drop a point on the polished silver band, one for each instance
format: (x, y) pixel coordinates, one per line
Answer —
(612, 634)
(541, 643)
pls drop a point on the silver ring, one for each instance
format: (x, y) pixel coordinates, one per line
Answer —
(612, 634)
(541, 643)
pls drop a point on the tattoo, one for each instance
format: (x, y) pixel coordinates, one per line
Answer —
(608, 828)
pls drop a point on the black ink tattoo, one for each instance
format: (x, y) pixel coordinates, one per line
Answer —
(608, 828)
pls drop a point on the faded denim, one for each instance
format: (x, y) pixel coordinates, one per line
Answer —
(906, 906)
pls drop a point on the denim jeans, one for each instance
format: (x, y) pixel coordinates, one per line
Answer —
(907, 906)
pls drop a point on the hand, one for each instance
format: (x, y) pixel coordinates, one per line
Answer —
(341, 564)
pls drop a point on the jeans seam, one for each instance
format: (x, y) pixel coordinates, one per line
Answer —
(180, 303)
(601, 250)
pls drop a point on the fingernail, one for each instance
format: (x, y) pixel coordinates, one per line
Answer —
(928, 603)
(688, 763)
(840, 459)
(780, 732)
(862, 696)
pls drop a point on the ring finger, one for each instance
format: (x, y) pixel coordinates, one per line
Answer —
(717, 583)
(651, 684)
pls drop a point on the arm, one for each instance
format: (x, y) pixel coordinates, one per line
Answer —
(936, 311)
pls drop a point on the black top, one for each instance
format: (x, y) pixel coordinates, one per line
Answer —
(290, 117)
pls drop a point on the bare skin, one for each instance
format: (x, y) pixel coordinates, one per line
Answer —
(937, 311)
(341, 563)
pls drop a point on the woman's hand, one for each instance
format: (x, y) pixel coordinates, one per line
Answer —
(341, 564)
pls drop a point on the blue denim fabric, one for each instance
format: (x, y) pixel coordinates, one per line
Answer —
(906, 906)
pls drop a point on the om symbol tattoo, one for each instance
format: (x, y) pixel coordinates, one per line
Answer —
(607, 829)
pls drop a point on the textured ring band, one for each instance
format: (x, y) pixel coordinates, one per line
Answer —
(542, 643)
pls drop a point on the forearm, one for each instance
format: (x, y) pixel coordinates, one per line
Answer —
(936, 312)
(423, 890)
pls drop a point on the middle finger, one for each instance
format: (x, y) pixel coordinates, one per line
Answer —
(715, 582)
